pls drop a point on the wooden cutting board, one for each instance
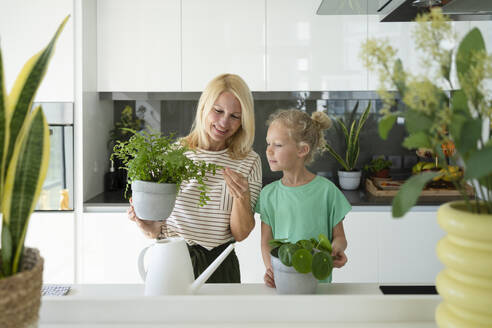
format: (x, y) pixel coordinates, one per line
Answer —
(378, 191)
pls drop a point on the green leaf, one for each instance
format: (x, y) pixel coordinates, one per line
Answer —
(479, 164)
(399, 77)
(459, 103)
(417, 140)
(324, 243)
(385, 125)
(302, 261)
(306, 244)
(340, 160)
(322, 265)
(416, 121)
(409, 193)
(467, 142)
(472, 43)
(7, 251)
(3, 126)
(286, 252)
(274, 243)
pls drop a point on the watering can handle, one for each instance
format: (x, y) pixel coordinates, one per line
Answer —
(141, 268)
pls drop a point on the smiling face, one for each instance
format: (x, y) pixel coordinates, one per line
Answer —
(223, 120)
(282, 151)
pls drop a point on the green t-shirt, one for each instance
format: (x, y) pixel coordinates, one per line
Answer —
(302, 212)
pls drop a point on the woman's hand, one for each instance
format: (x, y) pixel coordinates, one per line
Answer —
(151, 229)
(237, 184)
(268, 278)
(339, 257)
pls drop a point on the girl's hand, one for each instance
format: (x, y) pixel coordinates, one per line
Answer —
(339, 258)
(268, 278)
(237, 184)
(151, 229)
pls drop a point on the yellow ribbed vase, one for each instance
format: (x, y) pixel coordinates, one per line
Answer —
(466, 282)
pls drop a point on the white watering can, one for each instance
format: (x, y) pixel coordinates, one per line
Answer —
(170, 271)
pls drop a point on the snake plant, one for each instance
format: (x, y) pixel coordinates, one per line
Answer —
(351, 140)
(24, 154)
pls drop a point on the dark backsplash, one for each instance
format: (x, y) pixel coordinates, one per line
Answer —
(177, 116)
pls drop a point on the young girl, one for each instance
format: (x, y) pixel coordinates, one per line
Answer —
(301, 205)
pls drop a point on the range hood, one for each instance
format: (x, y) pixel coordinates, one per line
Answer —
(407, 10)
(458, 10)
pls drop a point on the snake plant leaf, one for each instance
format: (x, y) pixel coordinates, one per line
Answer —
(4, 131)
(20, 98)
(350, 144)
(385, 125)
(322, 265)
(7, 252)
(344, 129)
(25, 177)
(409, 192)
(340, 160)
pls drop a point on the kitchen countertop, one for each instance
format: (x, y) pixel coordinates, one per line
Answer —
(237, 305)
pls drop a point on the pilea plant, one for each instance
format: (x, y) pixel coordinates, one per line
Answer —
(149, 156)
(305, 255)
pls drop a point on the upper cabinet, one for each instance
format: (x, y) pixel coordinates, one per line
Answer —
(26, 27)
(139, 45)
(306, 51)
(223, 36)
(400, 36)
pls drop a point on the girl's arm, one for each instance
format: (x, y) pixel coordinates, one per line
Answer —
(242, 219)
(267, 235)
(339, 245)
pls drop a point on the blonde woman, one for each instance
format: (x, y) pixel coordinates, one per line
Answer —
(222, 133)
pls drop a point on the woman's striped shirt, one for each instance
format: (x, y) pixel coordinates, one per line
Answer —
(209, 226)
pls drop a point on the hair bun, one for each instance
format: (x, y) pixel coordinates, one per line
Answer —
(323, 120)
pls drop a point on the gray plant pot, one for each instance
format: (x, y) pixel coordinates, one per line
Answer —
(349, 180)
(153, 201)
(289, 281)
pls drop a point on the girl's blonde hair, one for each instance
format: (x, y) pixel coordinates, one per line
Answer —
(304, 129)
(240, 143)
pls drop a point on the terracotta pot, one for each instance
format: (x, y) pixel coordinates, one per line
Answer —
(466, 282)
(20, 294)
(382, 173)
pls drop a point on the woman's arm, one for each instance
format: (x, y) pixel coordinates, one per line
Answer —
(339, 245)
(242, 219)
(266, 236)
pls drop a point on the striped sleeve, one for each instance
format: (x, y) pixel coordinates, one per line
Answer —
(255, 181)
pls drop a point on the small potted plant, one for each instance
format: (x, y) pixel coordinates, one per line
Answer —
(24, 158)
(156, 166)
(297, 267)
(349, 177)
(378, 167)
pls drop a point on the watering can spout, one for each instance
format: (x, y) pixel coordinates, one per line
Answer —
(211, 269)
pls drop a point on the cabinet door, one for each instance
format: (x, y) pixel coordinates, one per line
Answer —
(53, 234)
(362, 233)
(407, 248)
(110, 245)
(26, 27)
(223, 36)
(400, 36)
(138, 45)
(306, 51)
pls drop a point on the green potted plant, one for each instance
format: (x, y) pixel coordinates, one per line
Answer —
(349, 176)
(378, 167)
(436, 117)
(156, 166)
(297, 267)
(24, 157)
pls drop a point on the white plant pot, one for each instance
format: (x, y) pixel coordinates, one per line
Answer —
(349, 180)
(153, 201)
(289, 281)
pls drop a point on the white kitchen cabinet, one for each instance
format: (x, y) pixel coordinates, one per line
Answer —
(53, 234)
(400, 37)
(362, 230)
(306, 51)
(109, 248)
(26, 27)
(138, 45)
(223, 36)
(407, 248)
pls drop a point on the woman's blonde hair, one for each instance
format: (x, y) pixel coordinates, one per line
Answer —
(240, 143)
(304, 129)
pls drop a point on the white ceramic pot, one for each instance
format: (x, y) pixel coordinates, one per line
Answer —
(349, 180)
(289, 281)
(153, 201)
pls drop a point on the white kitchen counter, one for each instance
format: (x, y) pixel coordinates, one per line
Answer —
(237, 305)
